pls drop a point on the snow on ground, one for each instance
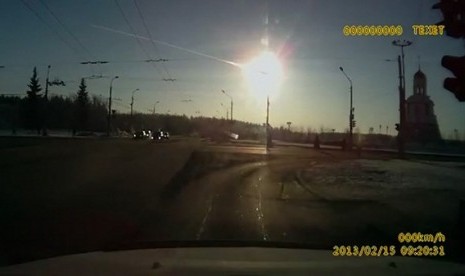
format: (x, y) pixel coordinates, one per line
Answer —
(370, 179)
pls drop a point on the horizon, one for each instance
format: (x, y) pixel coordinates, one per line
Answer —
(197, 40)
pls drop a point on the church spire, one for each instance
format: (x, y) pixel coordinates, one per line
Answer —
(419, 81)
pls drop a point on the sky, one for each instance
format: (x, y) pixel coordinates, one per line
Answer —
(200, 39)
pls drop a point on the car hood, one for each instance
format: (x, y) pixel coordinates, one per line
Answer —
(229, 261)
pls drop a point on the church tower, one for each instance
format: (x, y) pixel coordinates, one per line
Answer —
(422, 125)
(419, 83)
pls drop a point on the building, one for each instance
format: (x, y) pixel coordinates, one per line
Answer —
(422, 125)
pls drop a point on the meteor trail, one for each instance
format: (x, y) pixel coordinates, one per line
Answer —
(169, 45)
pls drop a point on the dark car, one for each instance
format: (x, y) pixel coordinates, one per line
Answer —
(142, 134)
(161, 135)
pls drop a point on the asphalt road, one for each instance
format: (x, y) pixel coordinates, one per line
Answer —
(321, 198)
(123, 191)
(63, 195)
(263, 196)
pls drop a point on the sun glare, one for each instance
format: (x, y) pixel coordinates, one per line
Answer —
(263, 74)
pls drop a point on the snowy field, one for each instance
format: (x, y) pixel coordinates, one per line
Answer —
(364, 179)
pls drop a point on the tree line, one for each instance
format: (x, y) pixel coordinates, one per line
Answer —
(36, 111)
(39, 112)
(83, 112)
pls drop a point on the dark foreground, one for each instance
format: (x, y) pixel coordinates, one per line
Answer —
(66, 196)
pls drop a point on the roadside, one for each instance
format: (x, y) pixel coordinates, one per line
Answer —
(404, 195)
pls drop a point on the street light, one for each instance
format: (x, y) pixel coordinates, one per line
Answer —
(402, 111)
(132, 100)
(227, 113)
(351, 113)
(44, 129)
(268, 130)
(109, 106)
(132, 104)
(154, 105)
(232, 105)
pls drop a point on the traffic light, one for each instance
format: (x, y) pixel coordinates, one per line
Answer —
(397, 127)
(453, 12)
(353, 123)
(455, 85)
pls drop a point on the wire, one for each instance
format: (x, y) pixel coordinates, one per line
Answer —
(65, 28)
(150, 36)
(136, 37)
(50, 27)
(69, 32)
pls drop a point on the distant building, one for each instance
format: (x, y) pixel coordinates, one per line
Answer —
(422, 125)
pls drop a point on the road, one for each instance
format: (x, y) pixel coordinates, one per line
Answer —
(64, 195)
(323, 198)
(123, 191)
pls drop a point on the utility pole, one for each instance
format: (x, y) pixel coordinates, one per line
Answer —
(109, 106)
(226, 109)
(400, 134)
(132, 100)
(351, 112)
(268, 134)
(132, 105)
(232, 104)
(44, 129)
(402, 111)
(154, 105)
(47, 82)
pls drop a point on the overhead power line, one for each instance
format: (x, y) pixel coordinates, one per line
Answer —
(136, 38)
(94, 62)
(157, 51)
(70, 33)
(57, 34)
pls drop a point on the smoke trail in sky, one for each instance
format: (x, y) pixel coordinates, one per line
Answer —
(170, 45)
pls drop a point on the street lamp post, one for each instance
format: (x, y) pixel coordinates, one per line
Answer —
(132, 105)
(267, 129)
(402, 111)
(351, 113)
(154, 105)
(44, 129)
(132, 100)
(232, 104)
(109, 105)
(227, 112)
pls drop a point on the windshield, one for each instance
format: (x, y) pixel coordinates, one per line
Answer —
(329, 125)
